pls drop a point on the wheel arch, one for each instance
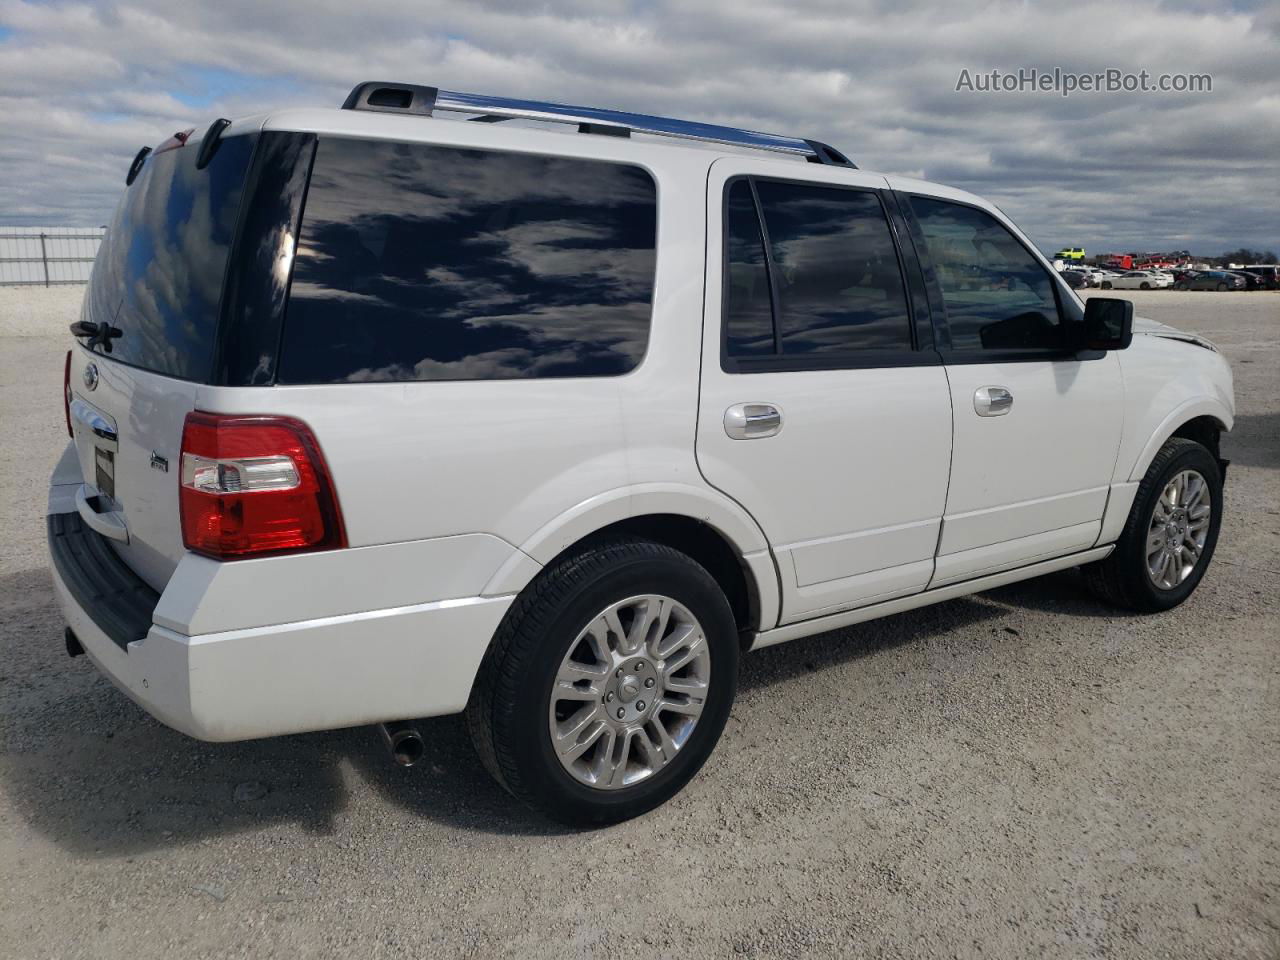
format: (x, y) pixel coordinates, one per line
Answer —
(710, 528)
(1203, 419)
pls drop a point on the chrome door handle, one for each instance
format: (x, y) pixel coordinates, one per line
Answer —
(752, 421)
(992, 401)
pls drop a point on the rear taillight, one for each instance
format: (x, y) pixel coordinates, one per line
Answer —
(255, 485)
(66, 394)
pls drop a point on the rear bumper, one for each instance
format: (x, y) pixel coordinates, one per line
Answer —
(335, 671)
(98, 580)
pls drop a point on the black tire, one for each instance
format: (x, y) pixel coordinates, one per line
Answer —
(1106, 284)
(510, 702)
(1121, 579)
(1145, 285)
(1179, 286)
(1221, 287)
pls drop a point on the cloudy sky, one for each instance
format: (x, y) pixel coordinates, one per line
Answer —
(83, 85)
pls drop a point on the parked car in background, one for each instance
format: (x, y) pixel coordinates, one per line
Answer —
(1215, 280)
(1138, 280)
(1183, 277)
(1268, 271)
(1252, 281)
(1071, 253)
(1078, 278)
(682, 394)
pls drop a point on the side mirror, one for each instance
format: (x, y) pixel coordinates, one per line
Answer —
(1108, 323)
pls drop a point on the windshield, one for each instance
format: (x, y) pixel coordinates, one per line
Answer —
(159, 273)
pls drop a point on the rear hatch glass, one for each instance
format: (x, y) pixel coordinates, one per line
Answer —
(158, 276)
(158, 279)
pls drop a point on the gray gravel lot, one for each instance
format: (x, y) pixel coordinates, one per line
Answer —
(1024, 772)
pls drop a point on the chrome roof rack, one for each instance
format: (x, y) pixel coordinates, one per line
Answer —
(422, 101)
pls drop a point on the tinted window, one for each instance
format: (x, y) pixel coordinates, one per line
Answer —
(159, 272)
(253, 302)
(997, 294)
(836, 270)
(433, 263)
(748, 315)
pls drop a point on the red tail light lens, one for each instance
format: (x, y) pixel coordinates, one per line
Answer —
(66, 394)
(253, 486)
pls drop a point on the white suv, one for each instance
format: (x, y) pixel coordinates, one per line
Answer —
(377, 415)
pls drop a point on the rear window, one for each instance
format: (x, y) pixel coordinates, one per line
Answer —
(839, 285)
(811, 275)
(423, 262)
(159, 273)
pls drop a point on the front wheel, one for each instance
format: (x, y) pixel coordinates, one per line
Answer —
(1170, 535)
(1222, 287)
(1145, 285)
(608, 684)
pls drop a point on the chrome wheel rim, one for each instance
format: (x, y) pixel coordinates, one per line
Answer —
(629, 692)
(1179, 528)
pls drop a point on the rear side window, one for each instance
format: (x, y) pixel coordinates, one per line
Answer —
(997, 295)
(748, 318)
(422, 262)
(159, 273)
(812, 274)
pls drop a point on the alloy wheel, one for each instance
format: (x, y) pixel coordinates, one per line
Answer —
(1178, 530)
(629, 692)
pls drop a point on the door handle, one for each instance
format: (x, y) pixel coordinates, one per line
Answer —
(752, 421)
(992, 401)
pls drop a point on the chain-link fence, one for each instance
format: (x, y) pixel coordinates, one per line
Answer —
(47, 256)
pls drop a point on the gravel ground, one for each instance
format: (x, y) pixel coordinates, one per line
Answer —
(1022, 772)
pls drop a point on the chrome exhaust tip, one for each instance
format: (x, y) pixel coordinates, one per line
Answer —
(403, 741)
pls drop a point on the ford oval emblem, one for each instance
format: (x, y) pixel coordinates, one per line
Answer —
(91, 376)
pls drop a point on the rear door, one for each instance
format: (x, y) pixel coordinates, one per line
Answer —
(824, 410)
(1037, 423)
(158, 282)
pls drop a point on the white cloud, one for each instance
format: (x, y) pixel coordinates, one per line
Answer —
(83, 85)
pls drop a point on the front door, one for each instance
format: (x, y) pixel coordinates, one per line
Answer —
(1037, 426)
(821, 411)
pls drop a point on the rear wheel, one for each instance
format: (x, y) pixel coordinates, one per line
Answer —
(1106, 284)
(1170, 535)
(608, 684)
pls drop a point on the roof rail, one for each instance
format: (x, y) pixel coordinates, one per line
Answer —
(425, 101)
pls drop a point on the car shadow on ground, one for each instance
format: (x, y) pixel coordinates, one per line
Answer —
(834, 648)
(89, 769)
(86, 767)
(1063, 593)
